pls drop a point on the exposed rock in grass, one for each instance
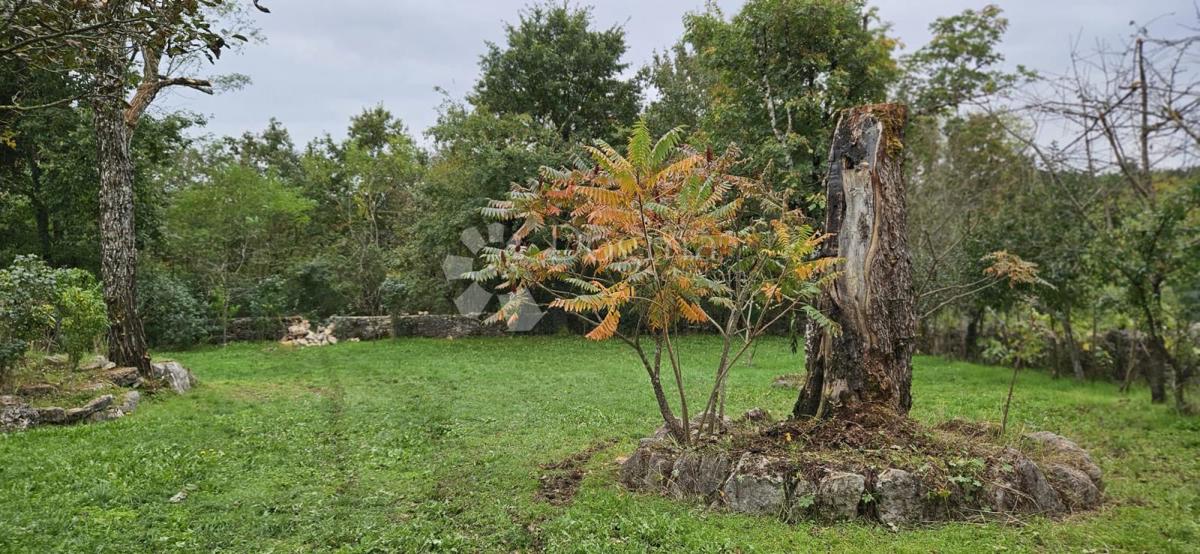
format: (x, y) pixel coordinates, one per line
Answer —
(96, 363)
(66, 416)
(122, 376)
(890, 470)
(129, 403)
(699, 474)
(36, 389)
(1061, 449)
(758, 485)
(174, 374)
(1076, 489)
(838, 495)
(898, 497)
(15, 414)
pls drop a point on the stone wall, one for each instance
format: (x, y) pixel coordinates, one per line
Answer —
(362, 327)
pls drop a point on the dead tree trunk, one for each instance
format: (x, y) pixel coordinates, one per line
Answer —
(118, 250)
(869, 363)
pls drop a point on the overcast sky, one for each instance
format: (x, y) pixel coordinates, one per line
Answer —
(324, 61)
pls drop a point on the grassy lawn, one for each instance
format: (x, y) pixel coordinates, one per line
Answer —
(433, 445)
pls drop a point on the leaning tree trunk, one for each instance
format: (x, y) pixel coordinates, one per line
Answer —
(118, 251)
(869, 362)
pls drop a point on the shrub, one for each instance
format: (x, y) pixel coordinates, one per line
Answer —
(267, 297)
(393, 294)
(81, 316)
(171, 314)
(641, 244)
(314, 284)
(26, 308)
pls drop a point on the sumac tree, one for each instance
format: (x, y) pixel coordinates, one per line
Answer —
(645, 243)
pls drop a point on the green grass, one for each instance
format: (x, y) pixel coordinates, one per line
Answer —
(418, 445)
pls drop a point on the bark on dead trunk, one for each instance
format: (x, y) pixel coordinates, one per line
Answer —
(118, 250)
(870, 361)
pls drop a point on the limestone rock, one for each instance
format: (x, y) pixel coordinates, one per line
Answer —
(362, 327)
(1025, 490)
(838, 495)
(122, 376)
(15, 414)
(1074, 487)
(74, 415)
(300, 333)
(106, 415)
(130, 401)
(95, 363)
(898, 497)
(801, 499)
(36, 389)
(444, 326)
(633, 470)
(1068, 453)
(174, 374)
(658, 470)
(58, 360)
(699, 474)
(756, 486)
(51, 416)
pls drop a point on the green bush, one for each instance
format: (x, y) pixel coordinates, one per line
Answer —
(81, 316)
(27, 295)
(171, 314)
(314, 284)
(267, 297)
(38, 303)
(393, 293)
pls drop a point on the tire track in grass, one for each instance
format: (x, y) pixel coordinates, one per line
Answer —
(335, 528)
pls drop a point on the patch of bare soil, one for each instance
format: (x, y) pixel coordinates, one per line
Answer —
(560, 480)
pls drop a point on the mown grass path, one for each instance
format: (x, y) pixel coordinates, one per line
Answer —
(428, 445)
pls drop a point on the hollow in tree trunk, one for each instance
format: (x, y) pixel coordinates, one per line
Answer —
(118, 250)
(869, 362)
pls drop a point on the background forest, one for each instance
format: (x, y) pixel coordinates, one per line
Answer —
(1054, 219)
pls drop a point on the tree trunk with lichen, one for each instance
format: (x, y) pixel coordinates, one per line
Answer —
(869, 362)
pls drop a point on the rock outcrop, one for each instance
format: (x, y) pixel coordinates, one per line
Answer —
(179, 378)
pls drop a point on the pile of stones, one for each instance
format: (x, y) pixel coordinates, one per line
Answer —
(17, 414)
(301, 333)
(1064, 479)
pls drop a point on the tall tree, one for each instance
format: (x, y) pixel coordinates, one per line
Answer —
(785, 69)
(556, 68)
(365, 185)
(137, 33)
